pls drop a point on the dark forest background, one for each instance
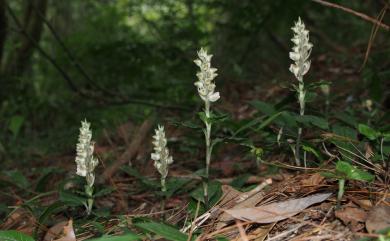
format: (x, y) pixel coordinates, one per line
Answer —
(114, 61)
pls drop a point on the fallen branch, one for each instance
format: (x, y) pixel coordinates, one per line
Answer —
(358, 14)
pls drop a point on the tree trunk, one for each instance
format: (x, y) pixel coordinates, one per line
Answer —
(30, 34)
(3, 28)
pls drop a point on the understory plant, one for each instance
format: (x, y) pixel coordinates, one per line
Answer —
(300, 55)
(161, 158)
(345, 171)
(206, 90)
(86, 162)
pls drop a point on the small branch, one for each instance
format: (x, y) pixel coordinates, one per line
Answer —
(358, 14)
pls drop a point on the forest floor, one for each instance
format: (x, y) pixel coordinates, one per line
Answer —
(270, 200)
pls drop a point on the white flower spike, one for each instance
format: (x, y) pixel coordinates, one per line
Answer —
(161, 156)
(300, 55)
(206, 75)
(301, 50)
(85, 160)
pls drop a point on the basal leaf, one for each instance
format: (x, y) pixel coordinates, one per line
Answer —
(353, 173)
(368, 132)
(166, 231)
(12, 235)
(124, 237)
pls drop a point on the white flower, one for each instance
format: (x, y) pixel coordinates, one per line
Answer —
(205, 76)
(161, 155)
(85, 160)
(301, 50)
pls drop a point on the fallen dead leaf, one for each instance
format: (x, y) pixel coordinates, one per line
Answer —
(233, 198)
(313, 180)
(21, 220)
(276, 211)
(259, 234)
(55, 231)
(352, 215)
(68, 232)
(378, 218)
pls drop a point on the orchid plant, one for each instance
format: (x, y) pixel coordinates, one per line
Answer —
(300, 55)
(86, 162)
(161, 156)
(206, 91)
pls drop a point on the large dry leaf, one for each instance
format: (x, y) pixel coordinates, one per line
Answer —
(352, 216)
(378, 218)
(276, 211)
(63, 228)
(235, 199)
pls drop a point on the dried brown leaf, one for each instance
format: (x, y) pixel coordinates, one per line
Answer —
(68, 232)
(352, 215)
(378, 218)
(276, 211)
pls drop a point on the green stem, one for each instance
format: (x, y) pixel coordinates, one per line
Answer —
(341, 192)
(301, 99)
(208, 152)
(89, 193)
(164, 191)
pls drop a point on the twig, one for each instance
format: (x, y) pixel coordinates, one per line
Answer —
(358, 14)
(374, 31)
(286, 232)
(241, 230)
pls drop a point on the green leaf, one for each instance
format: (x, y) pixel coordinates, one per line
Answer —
(214, 189)
(71, 199)
(15, 124)
(329, 175)
(51, 209)
(346, 118)
(345, 131)
(125, 237)
(163, 230)
(175, 184)
(313, 151)
(44, 179)
(268, 121)
(240, 181)
(310, 96)
(368, 132)
(353, 173)
(103, 192)
(288, 119)
(386, 136)
(263, 107)
(214, 117)
(148, 183)
(248, 125)
(314, 120)
(12, 235)
(17, 178)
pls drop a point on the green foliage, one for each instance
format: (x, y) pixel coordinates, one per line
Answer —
(368, 132)
(124, 237)
(344, 170)
(11, 235)
(163, 230)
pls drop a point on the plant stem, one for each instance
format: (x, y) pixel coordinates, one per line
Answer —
(89, 193)
(301, 99)
(341, 192)
(208, 151)
(164, 191)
